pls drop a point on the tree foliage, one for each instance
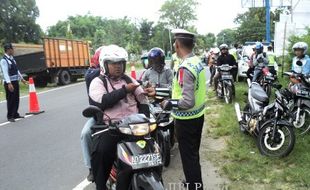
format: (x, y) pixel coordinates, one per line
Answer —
(226, 36)
(17, 21)
(253, 24)
(178, 13)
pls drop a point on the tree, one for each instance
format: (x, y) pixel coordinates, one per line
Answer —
(226, 36)
(17, 21)
(253, 24)
(178, 13)
(146, 31)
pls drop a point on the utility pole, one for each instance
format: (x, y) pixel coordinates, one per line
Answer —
(267, 20)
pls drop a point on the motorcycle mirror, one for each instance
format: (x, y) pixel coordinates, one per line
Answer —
(299, 63)
(91, 111)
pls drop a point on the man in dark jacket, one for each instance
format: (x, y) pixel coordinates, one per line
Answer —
(226, 58)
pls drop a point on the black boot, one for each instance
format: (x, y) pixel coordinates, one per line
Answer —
(90, 176)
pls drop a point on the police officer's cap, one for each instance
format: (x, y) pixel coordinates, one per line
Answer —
(7, 46)
(181, 33)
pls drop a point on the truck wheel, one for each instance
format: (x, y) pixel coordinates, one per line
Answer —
(64, 77)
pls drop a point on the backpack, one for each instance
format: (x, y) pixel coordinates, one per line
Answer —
(90, 74)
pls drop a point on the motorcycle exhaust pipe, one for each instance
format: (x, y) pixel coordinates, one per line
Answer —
(249, 82)
(238, 112)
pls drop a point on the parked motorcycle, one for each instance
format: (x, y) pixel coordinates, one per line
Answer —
(225, 87)
(275, 136)
(138, 155)
(266, 79)
(300, 102)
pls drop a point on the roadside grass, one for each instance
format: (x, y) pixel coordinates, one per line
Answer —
(241, 161)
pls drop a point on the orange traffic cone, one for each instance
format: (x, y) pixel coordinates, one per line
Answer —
(133, 72)
(34, 107)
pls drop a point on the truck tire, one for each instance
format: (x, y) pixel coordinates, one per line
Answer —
(64, 77)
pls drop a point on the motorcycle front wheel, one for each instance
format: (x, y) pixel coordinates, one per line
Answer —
(278, 145)
(228, 94)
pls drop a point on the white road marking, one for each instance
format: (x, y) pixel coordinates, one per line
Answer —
(54, 89)
(82, 185)
(7, 122)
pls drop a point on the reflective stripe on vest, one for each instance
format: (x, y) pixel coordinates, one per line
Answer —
(192, 64)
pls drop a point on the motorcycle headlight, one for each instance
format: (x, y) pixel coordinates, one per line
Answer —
(153, 126)
(140, 129)
(125, 130)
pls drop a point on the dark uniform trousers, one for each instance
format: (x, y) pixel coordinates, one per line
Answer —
(12, 99)
(189, 138)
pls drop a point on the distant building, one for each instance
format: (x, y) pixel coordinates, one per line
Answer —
(292, 22)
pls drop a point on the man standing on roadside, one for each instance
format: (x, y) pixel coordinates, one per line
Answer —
(188, 103)
(11, 76)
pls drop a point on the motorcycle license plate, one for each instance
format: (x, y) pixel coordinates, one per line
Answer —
(225, 77)
(269, 78)
(146, 160)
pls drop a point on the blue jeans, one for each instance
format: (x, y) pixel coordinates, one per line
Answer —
(257, 73)
(86, 141)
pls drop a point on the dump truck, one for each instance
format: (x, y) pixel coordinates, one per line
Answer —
(57, 60)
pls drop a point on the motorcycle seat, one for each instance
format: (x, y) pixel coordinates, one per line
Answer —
(258, 93)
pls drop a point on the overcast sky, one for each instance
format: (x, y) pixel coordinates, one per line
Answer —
(213, 15)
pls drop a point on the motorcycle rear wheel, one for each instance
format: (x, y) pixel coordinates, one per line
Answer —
(302, 125)
(281, 145)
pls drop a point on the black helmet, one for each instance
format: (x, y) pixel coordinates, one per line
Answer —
(156, 58)
(145, 61)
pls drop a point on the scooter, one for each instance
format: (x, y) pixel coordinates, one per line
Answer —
(225, 86)
(300, 102)
(274, 134)
(138, 155)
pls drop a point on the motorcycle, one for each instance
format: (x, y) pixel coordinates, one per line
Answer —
(138, 155)
(165, 130)
(300, 102)
(225, 87)
(266, 79)
(275, 136)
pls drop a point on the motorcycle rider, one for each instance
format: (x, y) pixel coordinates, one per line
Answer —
(260, 60)
(225, 58)
(145, 63)
(300, 50)
(118, 95)
(212, 61)
(86, 140)
(157, 75)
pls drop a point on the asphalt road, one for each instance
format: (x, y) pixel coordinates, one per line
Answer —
(43, 151)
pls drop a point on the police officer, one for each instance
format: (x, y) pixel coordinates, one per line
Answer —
(11, 76)
(188, 103)
(272, 65)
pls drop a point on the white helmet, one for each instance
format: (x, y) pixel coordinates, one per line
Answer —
(112, 53)
(216, 50)
(300, 45)
(223, 46)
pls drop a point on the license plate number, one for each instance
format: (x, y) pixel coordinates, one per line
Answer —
(146, 160)
(227, 77)
(269, 78)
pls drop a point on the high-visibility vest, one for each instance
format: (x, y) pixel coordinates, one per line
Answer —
(192, 64)
(271, 58)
